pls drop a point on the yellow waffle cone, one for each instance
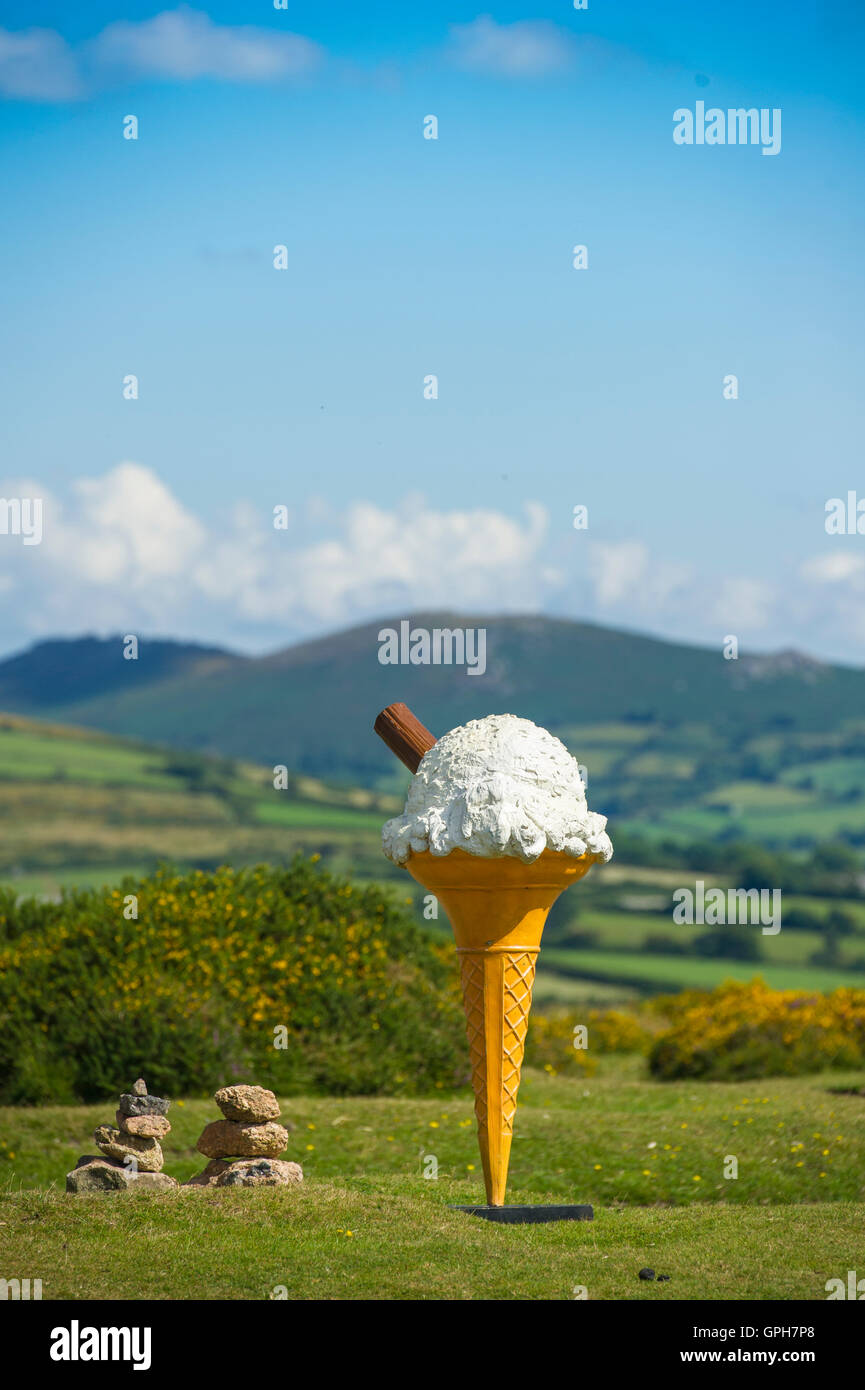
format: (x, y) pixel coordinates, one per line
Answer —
(497, 908)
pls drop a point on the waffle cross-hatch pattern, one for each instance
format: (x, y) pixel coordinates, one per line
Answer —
(516, 974)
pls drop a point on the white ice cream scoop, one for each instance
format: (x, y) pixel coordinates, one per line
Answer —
(497, 787)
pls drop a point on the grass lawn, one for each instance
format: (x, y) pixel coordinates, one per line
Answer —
(384, 1241)
(650, 1156)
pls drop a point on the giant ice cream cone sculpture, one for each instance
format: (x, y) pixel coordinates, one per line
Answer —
(498, 909)
(474, 834)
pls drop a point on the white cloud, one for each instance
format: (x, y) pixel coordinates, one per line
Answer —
(180, 45)
(37, 65)
(617, 568)
(832, 595)
(119, 547)
(527, 48)
(121, 552)
(626, 574)
(129, 528)
(186, 44)
(744, 605)
(840, 567)
(373, 560)
(633, 586)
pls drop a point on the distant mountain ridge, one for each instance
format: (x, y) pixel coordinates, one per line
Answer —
(67, 670)
(311, 705)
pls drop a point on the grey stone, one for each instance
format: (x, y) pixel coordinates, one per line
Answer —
(208, 1176)
(107, 1175)
(152, 1182)
(261, 1172)
(97, 1175)
(143, 1105)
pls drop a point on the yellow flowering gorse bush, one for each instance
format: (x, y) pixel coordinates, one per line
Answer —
(289, 975)
(749, 1030)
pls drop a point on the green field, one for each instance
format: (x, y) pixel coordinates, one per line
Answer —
(27, 754)
(834, 775)
(650, 1156)
(682, 972)
(79, 808)
(627, 932)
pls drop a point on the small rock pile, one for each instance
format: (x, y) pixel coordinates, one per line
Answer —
(132, 1152)
(244, 1147)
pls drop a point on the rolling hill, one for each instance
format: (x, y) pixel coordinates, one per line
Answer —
(80, 807)
(67, 671)
(678, 742)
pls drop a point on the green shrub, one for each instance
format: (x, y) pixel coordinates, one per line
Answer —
(215, 970)
(729, 944)
(550, 1042)
(659, 944)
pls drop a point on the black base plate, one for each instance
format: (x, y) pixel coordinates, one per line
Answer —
(518, 1216)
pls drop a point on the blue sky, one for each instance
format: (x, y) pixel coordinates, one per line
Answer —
(407, 257)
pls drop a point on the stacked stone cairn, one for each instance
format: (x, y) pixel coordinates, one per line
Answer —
(131, 1153)
(245, 1145)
